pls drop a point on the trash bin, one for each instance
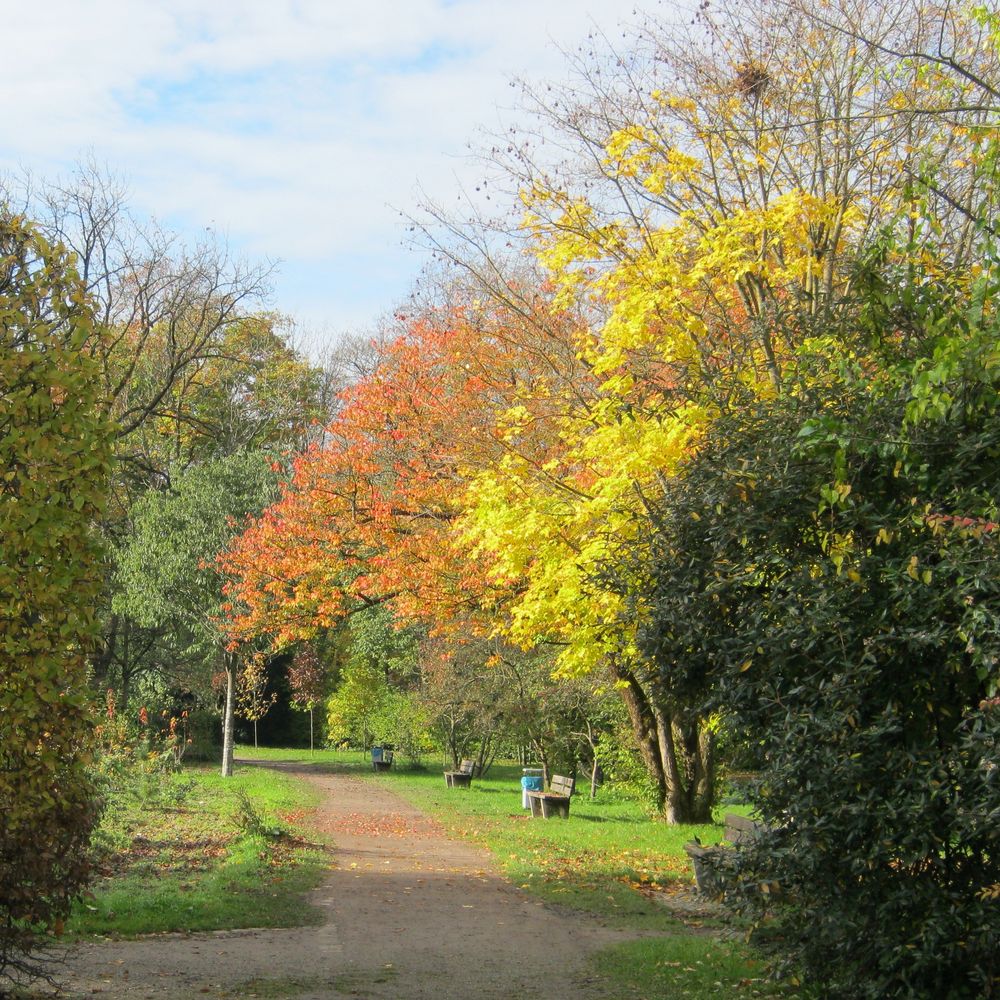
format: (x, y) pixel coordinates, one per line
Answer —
(531, 782)
(382, 757)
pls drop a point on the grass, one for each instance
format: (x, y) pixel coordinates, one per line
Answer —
(683, 966)
(608, 858)
(194, 851)
(197, 852)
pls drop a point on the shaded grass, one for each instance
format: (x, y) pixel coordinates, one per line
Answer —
(683, 966)
(177, 857)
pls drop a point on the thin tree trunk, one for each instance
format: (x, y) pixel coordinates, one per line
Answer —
(228, 714)
(255, 734)
(311, 748)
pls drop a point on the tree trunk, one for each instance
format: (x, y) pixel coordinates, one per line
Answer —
(311, 747)
(644, 728)
(231, 664)
(677, 748)
(255, 734)
(543, 759)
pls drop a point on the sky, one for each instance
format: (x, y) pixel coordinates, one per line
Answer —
(297, 130)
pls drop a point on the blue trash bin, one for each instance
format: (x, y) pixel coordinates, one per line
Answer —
(531, 782)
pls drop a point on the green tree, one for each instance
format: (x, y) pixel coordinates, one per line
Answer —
(191, 368)
(54, 465)
(168, 577)
(380, 665)
(824, 573)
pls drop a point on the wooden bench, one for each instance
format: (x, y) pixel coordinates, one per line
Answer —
(462, 778)
(739, 830)
(554, 802)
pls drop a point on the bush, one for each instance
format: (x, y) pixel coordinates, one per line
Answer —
(842, 596)
(625, 775)
(54, 458)
(250, 822)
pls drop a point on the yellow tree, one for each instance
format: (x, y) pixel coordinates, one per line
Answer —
(709, 219)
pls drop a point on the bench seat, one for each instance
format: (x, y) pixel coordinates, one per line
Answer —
(739, 830)
(554, 802)
(462, 778)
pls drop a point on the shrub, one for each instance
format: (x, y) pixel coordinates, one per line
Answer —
(831, 559)
(54, 459)
(625, 775)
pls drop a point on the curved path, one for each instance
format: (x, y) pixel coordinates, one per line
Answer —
(409, 914)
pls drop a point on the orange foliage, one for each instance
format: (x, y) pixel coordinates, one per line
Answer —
(369, 514)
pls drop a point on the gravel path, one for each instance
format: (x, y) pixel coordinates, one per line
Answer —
(409, 914)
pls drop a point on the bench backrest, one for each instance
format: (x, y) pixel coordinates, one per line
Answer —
(561, 785)
(467, 767)
(740, 829)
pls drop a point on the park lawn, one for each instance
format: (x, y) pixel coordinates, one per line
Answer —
(193, 851)
(607, 858)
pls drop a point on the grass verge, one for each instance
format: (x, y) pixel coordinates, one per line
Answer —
(685, 966)
(194, 851)
(608, 858)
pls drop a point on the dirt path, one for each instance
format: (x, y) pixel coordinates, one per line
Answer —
(409, 914)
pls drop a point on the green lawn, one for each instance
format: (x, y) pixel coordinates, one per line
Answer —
(607, 858)
(185, 852)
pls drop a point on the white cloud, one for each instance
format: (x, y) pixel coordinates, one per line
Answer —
(297, 127)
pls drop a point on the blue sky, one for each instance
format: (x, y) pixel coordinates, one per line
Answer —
(298, 129)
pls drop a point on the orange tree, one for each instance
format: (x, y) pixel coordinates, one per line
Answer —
(374, 515)
(370, 514)
(55, 457)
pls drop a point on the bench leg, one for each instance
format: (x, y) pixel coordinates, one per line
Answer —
(551, 807)
(537, 806)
